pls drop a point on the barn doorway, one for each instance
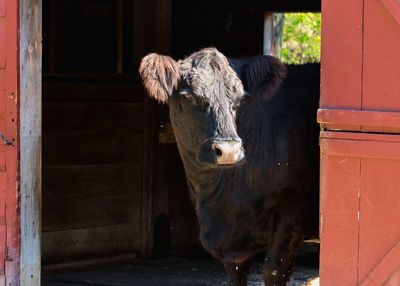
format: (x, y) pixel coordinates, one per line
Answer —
(114, 191)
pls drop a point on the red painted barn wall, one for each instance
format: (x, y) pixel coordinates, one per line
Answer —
(9, 214)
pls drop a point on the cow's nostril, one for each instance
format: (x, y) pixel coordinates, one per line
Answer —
(217, 150)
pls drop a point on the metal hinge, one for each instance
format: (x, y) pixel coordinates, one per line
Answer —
(4, 139)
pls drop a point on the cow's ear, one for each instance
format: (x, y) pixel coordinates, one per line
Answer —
(160, 75)
(262, 75)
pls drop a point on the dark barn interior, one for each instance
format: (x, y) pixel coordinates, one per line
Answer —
(113, 183)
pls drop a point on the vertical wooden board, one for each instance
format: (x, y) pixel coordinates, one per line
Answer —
(12, 45)
(381, 83)
(3, 182)
(2, 105)
(268, 45)
(2, 212)
(341, 53)
(3, 232)
(30, 107)
(2, 41)
(8, 82)
(157, 23)
(2, 80)
(3, 130)
(339, 220)
(2, 8)
(12, 267)
(379, 213)
(2, 161)
(3, 174)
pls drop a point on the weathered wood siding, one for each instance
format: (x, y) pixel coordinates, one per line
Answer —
(92, 168)
(30, 140)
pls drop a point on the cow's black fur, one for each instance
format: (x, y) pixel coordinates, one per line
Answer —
(269, 202)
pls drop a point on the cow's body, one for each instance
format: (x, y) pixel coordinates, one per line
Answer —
(268, 201)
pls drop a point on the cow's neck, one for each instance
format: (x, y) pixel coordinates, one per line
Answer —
(201, 179)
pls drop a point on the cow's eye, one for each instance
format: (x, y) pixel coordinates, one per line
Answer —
(242, 100)
(244, 97)
(190, 99)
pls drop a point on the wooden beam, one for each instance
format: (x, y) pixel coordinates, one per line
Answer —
(268, 47)
(359, 120)
(158, 39)
(30, 139)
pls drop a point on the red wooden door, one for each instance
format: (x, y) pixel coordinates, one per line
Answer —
(360, 143)
(9, 218)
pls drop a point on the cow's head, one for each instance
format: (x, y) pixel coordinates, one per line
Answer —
(203, 93)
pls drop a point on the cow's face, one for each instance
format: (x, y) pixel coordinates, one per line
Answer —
(203, 93)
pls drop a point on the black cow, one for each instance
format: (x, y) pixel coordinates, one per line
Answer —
(248, 139)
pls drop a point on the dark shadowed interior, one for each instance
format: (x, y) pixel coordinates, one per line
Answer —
(113, 183)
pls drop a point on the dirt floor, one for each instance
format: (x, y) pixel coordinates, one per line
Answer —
(170, 272)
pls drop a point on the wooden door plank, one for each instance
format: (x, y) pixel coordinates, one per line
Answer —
(2, 106)
(2, 8)
(341, 54)
(381, 87)
(339, 220)
(2, 212)
(361, 136)
(359, 120)
(2, 41)
(3, 181)
(3, 232)
(2, 161)
(2, 80)
(9, 84)
(158, 25)
(359, 148)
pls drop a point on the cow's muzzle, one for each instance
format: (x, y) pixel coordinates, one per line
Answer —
(227, 152)
(221, 152)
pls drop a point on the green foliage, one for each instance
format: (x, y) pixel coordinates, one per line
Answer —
(301, 38)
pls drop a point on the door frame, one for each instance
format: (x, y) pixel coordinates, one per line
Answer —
(30, 136)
